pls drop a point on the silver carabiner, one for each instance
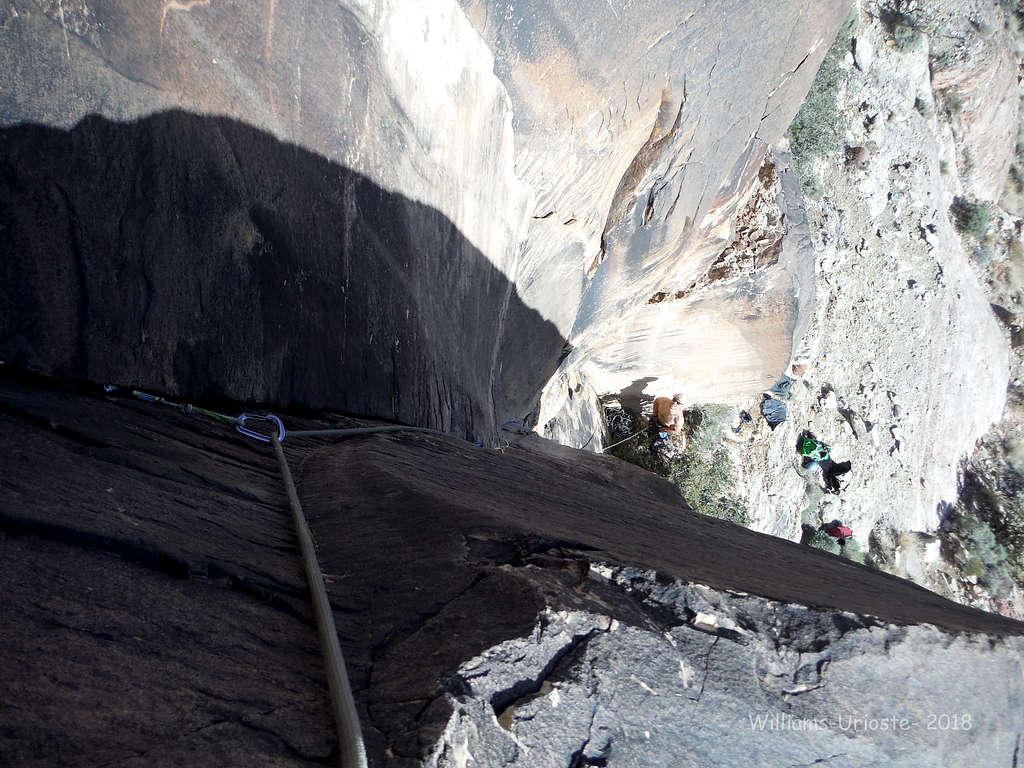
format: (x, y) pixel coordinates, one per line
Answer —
(260, 417)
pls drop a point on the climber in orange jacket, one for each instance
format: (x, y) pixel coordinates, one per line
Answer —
(669, 415)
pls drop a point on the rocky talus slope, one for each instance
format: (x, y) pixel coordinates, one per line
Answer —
(905, 365)
(535, 607)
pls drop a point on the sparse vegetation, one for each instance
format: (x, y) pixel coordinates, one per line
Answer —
(970, 543)
(815, 493)
(812, 134)
(1014, 13)
(853, 551)
(820, 540)
(970, 218)
(924, 108)
(901, 23)
(997, 504)
(952, 104)
(966, 161)
(813, 190)
(1017, 178)
(981, 26)
(703, 472)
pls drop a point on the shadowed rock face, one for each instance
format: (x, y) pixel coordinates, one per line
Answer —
(197, 254)
(595, 155)
(155, 611)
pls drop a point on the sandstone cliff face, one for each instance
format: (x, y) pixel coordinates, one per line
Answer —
(583, 160)
(492, 607)
(198, 254)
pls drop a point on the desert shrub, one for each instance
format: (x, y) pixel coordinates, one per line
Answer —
(998, 504)
(972, 545)
(813, 132)
(952, 104)
(902, 21)
(811, 185)
(703, 472)
(821, 540)
(970, 218)
(853, 551)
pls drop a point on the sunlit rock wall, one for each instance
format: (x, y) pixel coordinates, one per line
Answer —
(591, 155)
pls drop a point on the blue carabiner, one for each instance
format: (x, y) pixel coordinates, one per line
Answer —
(260, 417)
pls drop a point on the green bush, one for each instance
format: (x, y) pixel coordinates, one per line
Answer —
(813, 132)
(703, 472)
(998, 505)
(970, 218)
(901, 24)
(821, 540)
(818, 539)
(853, 551)
(975, 549)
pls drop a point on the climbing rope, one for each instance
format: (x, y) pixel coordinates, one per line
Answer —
(343, 706)
(609, 447)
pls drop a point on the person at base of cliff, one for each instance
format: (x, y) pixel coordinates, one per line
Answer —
(815, 453)
(837, 531)
(668, 413)
(831, 470)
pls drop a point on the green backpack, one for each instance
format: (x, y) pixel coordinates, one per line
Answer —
(814, 449)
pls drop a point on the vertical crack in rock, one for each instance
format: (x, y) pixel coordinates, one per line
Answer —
(499, 337)
(579, 758)
(502, 700)
(78, 258)
(707, 666)
(661, 134)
